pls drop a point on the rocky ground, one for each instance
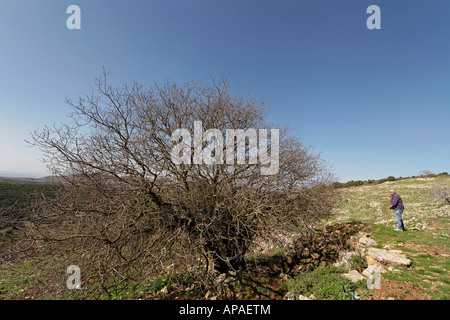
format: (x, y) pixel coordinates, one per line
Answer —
(391, 265)
(413, 264)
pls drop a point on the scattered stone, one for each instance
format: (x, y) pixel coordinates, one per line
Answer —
(324, 263)
(344, 256)
(305, 253)
(224, 285)
(315, 256)
(302, 297)
(289, 296)
(163, 290)
(354, 276)
(364, 239)
(370, 270)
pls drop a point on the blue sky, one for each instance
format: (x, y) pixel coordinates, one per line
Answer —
(374, 103)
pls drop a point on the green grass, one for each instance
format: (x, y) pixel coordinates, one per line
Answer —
(12, 282)
(323, 283)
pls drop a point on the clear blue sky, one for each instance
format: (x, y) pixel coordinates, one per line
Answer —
(374, 103)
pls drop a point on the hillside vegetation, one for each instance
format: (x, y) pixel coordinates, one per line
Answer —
(21, 195)
(425, 242)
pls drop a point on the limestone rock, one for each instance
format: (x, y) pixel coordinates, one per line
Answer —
(367, 241)
(315, 256)
(163, 290)
(289, 296)
(354, 276)
(224, 285)
(344, 256)
(387, 257)
(302, 297)
(361, 241)
(370, 270)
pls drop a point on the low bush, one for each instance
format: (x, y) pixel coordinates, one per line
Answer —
(323, 283)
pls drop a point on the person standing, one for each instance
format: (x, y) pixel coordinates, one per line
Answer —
(397, 206)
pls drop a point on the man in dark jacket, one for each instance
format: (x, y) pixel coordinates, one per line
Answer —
(397, 205)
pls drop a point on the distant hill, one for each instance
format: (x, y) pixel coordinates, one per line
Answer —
(44, 180)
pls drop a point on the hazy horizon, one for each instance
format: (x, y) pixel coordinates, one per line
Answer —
(5, 174)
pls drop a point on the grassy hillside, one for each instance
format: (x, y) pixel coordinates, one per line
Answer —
(426, 241)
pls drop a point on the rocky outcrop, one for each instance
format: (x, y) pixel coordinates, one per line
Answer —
(318, 249)
(360, 245)
(377, 259)
(268, 242)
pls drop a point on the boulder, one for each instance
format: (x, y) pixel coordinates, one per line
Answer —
(386, 257)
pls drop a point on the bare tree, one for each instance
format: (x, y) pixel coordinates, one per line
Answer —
(441, 192)
(125, 208)
(426, 173)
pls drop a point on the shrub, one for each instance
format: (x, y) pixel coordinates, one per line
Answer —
(322, 282)
(337, 185)
(358, 263)
(353, 183)
(441, 193)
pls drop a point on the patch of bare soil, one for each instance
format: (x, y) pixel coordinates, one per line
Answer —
(395, 290)
(434, 250)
